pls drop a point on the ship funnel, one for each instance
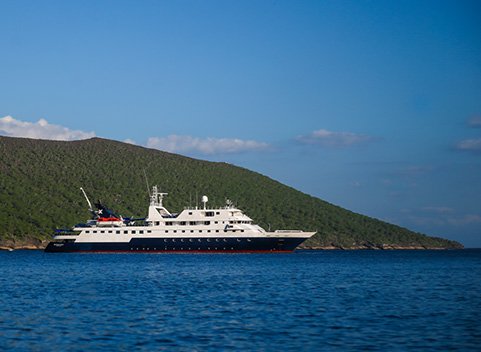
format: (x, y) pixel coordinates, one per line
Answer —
(205, 200)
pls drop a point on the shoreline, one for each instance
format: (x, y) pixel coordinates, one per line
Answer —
(303, 248)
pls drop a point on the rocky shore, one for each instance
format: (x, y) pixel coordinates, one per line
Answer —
(374, 247)
(33, 244)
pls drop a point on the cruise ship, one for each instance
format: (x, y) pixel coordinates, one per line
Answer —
(194, 230)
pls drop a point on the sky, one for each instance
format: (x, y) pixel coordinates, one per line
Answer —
(374, 106)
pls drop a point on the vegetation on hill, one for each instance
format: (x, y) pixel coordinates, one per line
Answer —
(40, 181)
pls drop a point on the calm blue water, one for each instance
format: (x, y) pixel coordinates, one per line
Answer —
(329, 300)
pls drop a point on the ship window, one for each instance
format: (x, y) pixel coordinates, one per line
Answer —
(110, 231)
(190, 213)
(175, 231)
(233, 230)
(200, 230)
(209, 213)
(133, 232)
(191, 230)
(148, 231)
(156, 223)
(126, 231)
(242, 230)
(183, 230)
(117, 232)
(141, 231)
(193, 223)
(168, 223)
(216, 230)
(216, 222)
(166, 231)
(217, 212)
(102, 231)
(87, 231)
(208, 230)
(183, 223)
(206, 222)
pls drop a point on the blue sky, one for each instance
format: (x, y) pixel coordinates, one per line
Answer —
(371, 105)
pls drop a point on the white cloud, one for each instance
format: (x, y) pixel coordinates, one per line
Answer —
(130, 141)
(470, 145)
(331, 139)
(185, 144)
(465, 220)
(40, 130)
(475, 122)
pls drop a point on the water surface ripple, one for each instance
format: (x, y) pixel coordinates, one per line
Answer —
(308, 300)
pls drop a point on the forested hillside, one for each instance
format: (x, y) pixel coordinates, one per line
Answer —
(40, 181)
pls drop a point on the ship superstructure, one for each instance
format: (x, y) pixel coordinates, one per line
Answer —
(195, 229)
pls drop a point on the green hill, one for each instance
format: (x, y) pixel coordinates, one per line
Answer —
(40, 180)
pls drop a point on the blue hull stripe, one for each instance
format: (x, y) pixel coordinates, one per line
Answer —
(254, 244)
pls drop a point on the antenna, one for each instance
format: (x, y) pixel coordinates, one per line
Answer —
(87, 198)
(147, 182)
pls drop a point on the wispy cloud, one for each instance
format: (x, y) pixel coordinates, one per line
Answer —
(475, 122)
(465, 220)
(331, 139)
(473, 145)
(438, 210)
(208, 146)
(441, 216)
(40, 130)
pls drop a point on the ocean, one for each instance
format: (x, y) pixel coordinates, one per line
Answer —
(304, 301)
